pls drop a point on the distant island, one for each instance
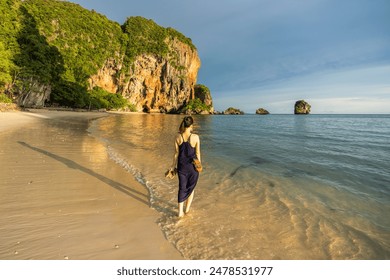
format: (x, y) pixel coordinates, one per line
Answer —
(262, 111)
(233, 111)
(302, 107)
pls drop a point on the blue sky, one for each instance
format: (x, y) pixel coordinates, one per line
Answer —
(335, 54)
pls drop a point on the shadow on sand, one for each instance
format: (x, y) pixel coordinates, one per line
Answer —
(143, 198)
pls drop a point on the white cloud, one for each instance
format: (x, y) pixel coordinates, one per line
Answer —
(352, 105)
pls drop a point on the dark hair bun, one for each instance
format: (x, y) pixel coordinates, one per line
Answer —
(188, 121)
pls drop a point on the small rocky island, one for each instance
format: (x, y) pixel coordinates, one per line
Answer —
(262, 111)
(302, 107)
(233, 111)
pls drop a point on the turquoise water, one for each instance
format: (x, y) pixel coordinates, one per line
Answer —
(273, 187)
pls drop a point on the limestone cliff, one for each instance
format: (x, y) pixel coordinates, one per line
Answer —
(153, 83)
(64, 55)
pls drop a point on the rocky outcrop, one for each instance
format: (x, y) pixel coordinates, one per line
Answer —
(301, 107)
(233, 111)
(154, 83)
(203, 93)
(106, 77)
(262, 111)
(33, 96)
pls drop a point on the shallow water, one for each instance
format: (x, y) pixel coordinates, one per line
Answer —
(273, 187)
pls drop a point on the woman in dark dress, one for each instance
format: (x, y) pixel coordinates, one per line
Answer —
(187, 147)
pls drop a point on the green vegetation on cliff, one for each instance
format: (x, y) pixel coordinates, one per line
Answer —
(201, 103)
(9, 26)
(144, 36)
(195, 106)
(84, 39)
(4, 99)
(147, 37)
(60, 45)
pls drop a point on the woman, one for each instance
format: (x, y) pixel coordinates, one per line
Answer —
(187, 147)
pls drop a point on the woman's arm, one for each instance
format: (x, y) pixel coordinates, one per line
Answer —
(197, 148)
(175, 155)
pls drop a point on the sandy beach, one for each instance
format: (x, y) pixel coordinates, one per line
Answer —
(61, 197)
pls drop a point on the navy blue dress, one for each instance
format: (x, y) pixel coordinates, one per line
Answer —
(188, 176)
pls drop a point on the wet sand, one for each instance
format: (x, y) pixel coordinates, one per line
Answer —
(61, 197)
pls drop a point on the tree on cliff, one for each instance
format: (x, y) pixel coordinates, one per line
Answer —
(5, 66)
(144, 36)
(8, 42)
(39, 63)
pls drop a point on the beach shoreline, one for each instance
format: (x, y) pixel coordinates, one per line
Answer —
(61, 197)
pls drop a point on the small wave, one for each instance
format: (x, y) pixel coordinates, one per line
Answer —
(156, 200)
(116, 157)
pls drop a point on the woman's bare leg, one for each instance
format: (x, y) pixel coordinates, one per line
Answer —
(189, 201)
(181, 213)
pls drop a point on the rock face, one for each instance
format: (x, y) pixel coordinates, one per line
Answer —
(301, 107)
(203, 94)
(262, 111)
(153, 83)
(106, 77)
(36, 97)
(233, 111)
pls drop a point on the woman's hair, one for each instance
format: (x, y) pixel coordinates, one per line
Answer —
(187, 122)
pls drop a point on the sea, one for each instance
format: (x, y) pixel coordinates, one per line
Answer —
(276, 187)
